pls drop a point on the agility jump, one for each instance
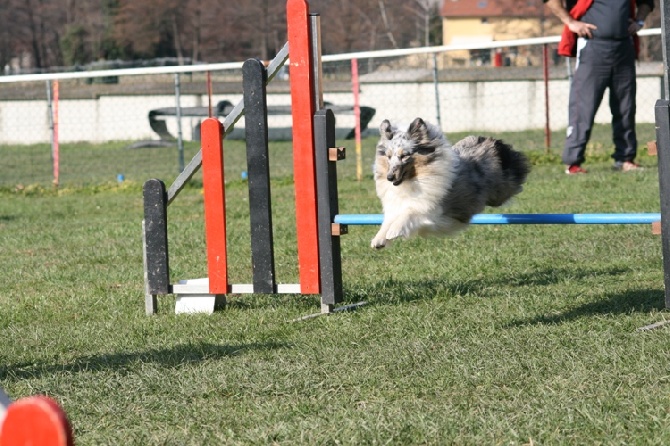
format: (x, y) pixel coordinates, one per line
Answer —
(315, 155)
(319, 223)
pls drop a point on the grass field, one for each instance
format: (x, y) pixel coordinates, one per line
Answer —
(502, 335)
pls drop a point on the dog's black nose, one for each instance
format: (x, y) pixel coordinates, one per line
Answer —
(390, 177)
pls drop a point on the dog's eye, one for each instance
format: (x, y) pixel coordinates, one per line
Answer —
(404, 156)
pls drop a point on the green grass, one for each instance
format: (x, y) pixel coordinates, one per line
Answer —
(502, 335)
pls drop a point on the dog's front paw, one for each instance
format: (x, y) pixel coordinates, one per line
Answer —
(378, 242)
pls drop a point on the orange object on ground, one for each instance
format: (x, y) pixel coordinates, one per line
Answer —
(36, 420)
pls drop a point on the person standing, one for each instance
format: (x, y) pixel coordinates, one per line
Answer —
(602, 34)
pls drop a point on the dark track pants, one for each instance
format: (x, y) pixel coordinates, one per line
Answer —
(602, 64)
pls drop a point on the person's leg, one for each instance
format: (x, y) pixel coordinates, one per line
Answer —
(622, 104)
(586, 93)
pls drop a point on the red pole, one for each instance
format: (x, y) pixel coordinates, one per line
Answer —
(547, 129)
(355, 86)
(302, 104)
(56, 149)
(215, 204)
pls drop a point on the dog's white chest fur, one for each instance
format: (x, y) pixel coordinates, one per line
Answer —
(420, 194)
(415, 205)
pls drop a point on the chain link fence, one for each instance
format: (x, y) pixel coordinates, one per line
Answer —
(135, 126)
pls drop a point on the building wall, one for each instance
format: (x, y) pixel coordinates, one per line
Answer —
(483, 106)
(477, 30)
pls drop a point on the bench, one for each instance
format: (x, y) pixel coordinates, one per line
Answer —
(277, 131)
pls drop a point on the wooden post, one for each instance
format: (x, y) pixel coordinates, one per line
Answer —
(215, 205)
(258, 168)
(662, 111)
(155, 244)
(329, 242)
(663, 142)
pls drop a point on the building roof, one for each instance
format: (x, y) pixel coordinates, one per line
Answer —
(493, 8)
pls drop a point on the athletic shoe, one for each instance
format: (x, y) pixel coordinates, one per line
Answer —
(575, 169)
(626, 166)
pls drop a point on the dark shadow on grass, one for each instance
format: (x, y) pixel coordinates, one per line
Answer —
(168, 357)
(550, 276)
(634, 301)
(302, 302)
(398, 291)
(394, 292)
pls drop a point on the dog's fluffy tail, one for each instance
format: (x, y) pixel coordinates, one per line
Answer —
(505, 168)
(515, 168)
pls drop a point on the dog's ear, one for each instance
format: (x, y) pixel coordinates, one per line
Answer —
(418, 130)
(385, 129)
(424, 142)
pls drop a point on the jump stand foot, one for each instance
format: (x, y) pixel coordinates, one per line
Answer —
(200, 303)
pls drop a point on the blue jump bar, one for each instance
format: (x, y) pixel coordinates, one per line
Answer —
(524, 219)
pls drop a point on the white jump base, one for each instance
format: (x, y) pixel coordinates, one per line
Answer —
(193, 295)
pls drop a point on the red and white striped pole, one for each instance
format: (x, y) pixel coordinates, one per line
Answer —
(545, 72)
(55, 147)
(355, 86)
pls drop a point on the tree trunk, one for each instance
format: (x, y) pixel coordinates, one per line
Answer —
(177, 40)
(34, 39)
(263, 53)
(197, 32)
(389, 33)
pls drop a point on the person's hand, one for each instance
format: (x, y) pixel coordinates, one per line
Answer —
(634, 26)
(582, 29)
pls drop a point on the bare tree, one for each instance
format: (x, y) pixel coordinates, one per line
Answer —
(151, 28)
(427, 14)
(7, 47)
(81, 31)
(387, 26)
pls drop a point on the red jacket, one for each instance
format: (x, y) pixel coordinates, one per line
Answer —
(568, 45)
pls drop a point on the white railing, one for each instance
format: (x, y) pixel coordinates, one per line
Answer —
(398, 84)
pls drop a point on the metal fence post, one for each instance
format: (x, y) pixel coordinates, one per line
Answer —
(437, 92)
(180, 139)
(51, 119)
